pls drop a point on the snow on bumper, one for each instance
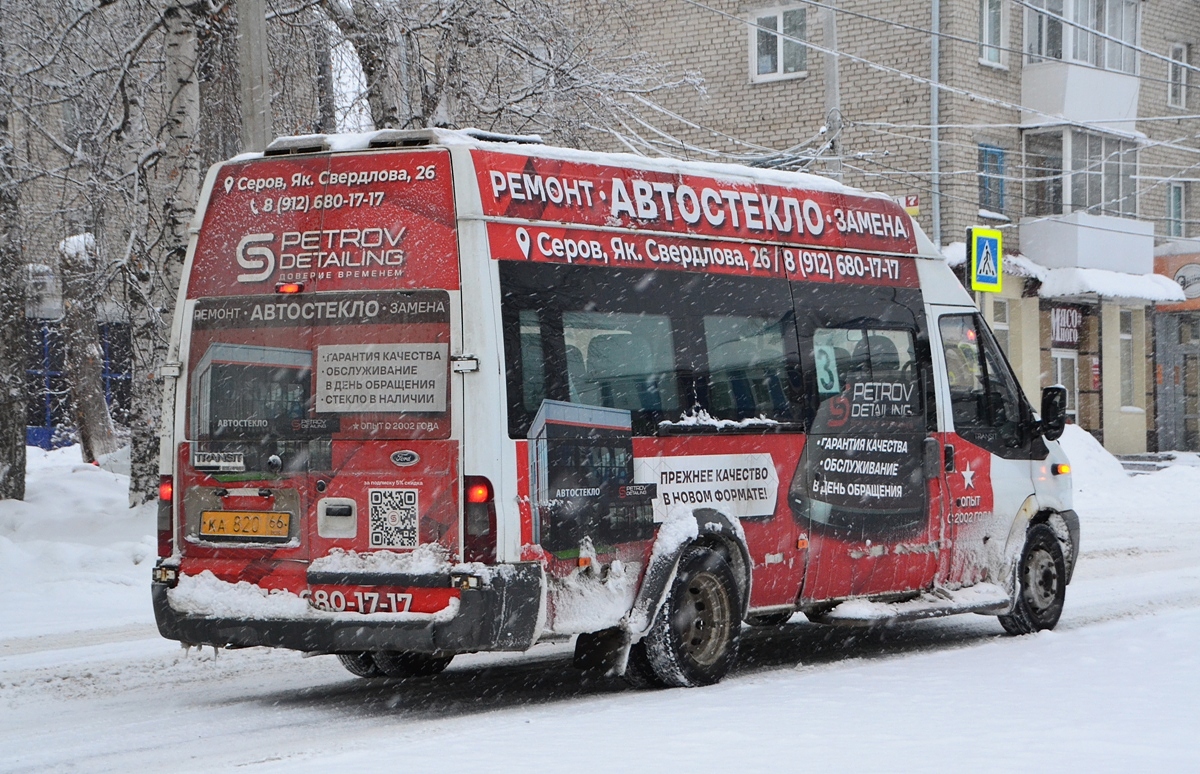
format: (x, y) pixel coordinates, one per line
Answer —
(501, 614)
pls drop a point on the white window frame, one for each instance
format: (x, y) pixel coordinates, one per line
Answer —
(1058, 358)
(1127, 361)
(1176, 209)
(1002, 326)
(1177, 76)
(778, 74)
(1037, 31)
(993, 42)
(1119, 19)
(1116, 161)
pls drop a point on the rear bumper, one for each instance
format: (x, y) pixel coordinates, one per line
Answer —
(502, 615)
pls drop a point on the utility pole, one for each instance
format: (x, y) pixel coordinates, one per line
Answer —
(833, 91)
(255, 74)
(935, 119)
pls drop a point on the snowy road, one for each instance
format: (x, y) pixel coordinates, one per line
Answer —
(1115, 687)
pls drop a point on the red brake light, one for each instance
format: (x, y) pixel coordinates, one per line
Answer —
(479, 489)
(166, 489)
(289, 287)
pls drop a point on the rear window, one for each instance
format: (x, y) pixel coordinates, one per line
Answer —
(341, 365)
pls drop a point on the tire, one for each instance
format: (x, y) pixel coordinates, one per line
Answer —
(1041, 584)
(694, 639)
(401, 665)
(361, 664)
(638, 672)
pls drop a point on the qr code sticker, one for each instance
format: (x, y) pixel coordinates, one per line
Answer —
(393, 518)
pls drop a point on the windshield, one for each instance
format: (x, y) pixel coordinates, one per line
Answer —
(340, 365)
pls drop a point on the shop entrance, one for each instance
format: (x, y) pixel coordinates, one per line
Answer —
(1177, 341)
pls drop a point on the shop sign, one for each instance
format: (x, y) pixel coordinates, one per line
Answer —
(1064, 326)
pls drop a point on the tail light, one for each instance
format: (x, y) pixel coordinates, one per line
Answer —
(479, 510)
(166, 496)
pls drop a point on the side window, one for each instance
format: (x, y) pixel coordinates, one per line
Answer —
(533, 371)
(621, 360)
(683, 352)
(747, 367)
(866, 378)
(986, 404)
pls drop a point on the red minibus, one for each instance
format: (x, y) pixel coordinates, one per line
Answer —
(435, 392)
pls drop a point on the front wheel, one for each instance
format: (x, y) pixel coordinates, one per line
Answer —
(694, 639)
(1042, 584)
(401, 665)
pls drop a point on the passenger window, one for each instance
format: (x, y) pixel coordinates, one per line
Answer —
(985, 402)
(621, 360)
(866, 378)
(747, 367)
(533, 372)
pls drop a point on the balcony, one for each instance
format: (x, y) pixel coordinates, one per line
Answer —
(1085, 241)
(1077, 93)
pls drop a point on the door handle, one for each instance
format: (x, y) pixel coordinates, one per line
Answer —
(949, 458)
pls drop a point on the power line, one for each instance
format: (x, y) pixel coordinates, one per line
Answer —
(973, 96)
(973, 41)
(1102, 35)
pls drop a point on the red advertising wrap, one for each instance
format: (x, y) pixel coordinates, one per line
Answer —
(555, 190)
(375, 221)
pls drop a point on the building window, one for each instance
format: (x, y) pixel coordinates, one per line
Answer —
(1116, 19)
(1177, 76)
(1066, 373)
(1044, 32)
(991, 179)
(1044, 173)
(775, 48)
(1175, 209)
(1102, 171)
(1000, 323)
(1127, 396)
(991, 31)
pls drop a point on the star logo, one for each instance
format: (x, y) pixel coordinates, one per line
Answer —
(968, 477)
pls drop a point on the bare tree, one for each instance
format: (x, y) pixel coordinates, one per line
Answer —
(81, 277)
(563, 70)
(173, 181)
(12, 303)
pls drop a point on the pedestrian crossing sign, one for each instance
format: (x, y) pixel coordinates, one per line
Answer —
(985, 257)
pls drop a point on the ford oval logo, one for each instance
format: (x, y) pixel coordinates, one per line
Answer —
(404, 458)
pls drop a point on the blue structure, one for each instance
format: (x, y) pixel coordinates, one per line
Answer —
(48, 419)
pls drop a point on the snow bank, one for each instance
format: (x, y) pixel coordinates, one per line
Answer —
(1092, 466)
(73, 554)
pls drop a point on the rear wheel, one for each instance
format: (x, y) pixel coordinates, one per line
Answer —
(361, 664)
(694, 639)
(399, 664)
(1042, 584)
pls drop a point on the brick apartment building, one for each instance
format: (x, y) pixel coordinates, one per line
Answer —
(1069, 124)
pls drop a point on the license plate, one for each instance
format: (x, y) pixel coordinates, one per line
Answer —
(245, 525)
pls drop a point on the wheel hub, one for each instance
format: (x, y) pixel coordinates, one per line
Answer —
(703, 621)
(1041, 580)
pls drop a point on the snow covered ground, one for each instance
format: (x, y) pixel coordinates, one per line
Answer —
(86, 684)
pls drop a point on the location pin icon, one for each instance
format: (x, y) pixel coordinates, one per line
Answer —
(228, 184)
(523, 241)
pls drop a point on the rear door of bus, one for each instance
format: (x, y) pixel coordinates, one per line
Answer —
(329, 406)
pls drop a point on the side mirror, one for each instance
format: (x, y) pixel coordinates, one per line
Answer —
(1054, 412)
